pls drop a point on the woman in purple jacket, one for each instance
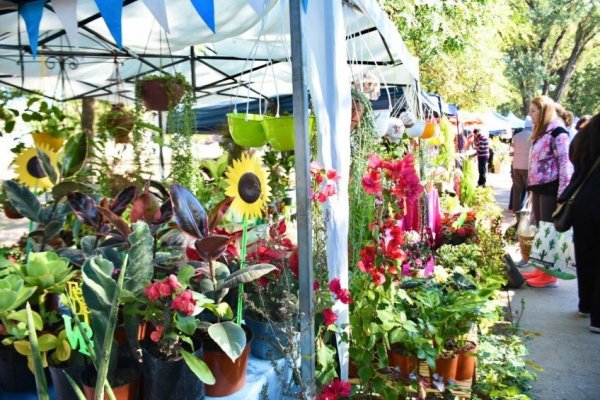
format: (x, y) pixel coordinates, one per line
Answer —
(549, 170)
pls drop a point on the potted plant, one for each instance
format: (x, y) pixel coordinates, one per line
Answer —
(117, 122)
(170, 308)
(225, 342)
(163, 91)
(247, 130)
(51, 125)
(272, 301)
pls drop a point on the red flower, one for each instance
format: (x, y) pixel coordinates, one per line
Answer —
(371, 183)
(378, 277)
(321, 197)
(319, 178)
(184, 303)
(332, 175)
(329, 190)
(315, 285)
(343, 295)
(157, 333)
(335, 390)
(163, 288)
(330, 316)
(335, 286)
(375, 161)
(173, 282)
(152, 292)
(294, 263)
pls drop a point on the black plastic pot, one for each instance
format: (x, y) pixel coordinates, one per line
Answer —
(14, 374)
(62, 387)
(170, 379)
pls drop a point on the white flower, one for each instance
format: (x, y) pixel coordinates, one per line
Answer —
(440, 275)
(460, 270)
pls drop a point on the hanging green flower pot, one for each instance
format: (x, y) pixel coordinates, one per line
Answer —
(247, 129)
(279, 131)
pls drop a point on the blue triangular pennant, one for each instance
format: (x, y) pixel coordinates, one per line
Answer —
(111, 11)
(206, 9)
(31, 13)
(305, 5)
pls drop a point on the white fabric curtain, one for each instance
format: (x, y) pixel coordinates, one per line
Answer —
(330, 91)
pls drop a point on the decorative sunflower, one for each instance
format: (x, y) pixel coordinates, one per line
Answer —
(29, 168)
(248, 185)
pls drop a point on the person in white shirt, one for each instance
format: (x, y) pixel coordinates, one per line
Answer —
(521, 145)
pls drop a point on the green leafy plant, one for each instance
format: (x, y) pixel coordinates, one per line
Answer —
(47, 271)
(48, 118)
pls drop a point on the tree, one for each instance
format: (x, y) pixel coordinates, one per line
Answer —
(458, 46)
(546, 42)
(583, 96)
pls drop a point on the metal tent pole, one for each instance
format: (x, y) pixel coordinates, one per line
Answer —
(301, 143)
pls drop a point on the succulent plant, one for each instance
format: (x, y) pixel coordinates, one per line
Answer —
(47, 271)
(13, 293)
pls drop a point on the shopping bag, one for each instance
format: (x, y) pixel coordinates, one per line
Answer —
(553, 252)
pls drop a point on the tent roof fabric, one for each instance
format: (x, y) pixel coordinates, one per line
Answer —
(515, 122)
(246, 58)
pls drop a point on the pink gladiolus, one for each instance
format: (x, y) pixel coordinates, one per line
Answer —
(375, 161)
(343, 295)
(332, 175)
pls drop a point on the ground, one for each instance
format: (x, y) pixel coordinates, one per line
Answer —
(563, 346)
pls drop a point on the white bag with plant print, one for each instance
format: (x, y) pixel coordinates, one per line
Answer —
(553, 252)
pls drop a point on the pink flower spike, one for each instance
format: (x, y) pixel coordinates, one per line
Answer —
(343, 295)
(335, 286)
(173, 282)
(330, 316)
(315, 166)
(429, 267)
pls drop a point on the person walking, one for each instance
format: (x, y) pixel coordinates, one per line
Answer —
(584, 152)
(549, 170)
(521, 142)
(482, 145)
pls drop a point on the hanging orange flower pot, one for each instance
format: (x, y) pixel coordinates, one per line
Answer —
(430, 130)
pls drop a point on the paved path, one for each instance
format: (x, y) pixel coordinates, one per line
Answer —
(567, 351)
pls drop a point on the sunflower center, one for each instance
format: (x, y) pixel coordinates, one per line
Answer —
(35, 168)
(249, 187)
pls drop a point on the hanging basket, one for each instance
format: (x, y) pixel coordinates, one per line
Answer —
(161, 94)
(247, 129)
(358, 109)
(119, 122)
(416, 129)
(279, 131)
(430, 130)
(42, 139)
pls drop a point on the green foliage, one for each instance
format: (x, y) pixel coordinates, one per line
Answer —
(40, 377)
(48, 118)
(467, 182)
(47, 271)
(502, 369)
(583, 96)
(13, 293)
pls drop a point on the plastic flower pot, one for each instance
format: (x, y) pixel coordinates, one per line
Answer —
(416, 130)
(247, 129)
(467, 359)
(125, 386)
(406, 363)
(169, 379)
(229, 376)
(446, 368)
(269, 339)
(279, 131)
(430, 130)
(119, 122)
(161, 94)
(14, 375)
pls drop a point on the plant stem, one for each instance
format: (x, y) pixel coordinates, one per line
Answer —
(242, 265)
(40, 377)
(109, 336)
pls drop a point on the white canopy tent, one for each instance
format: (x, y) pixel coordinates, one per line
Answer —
(248, 56)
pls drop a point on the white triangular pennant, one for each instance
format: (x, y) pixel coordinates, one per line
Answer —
(66, 11)
(258, 6)
(159, 11)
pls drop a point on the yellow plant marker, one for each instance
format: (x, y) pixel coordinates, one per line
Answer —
(75, 294)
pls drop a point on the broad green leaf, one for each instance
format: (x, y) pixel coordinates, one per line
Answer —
(23, 200)
(187, 324)
(38, 362)
(247, 274)
(230, 337)
(198, 367)
(21, 316)
(140, 269)
(60, 190)
(74, 386)
(47, 166)
(75, 155)
(185, 274)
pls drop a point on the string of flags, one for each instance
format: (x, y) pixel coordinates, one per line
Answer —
(111, 12)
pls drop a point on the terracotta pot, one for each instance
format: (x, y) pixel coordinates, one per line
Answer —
(407, 363)
(161, 95)
(10, 211)
(126, 391)
(466, 364)
(445, 367)
(120, 122)
(229, 376)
